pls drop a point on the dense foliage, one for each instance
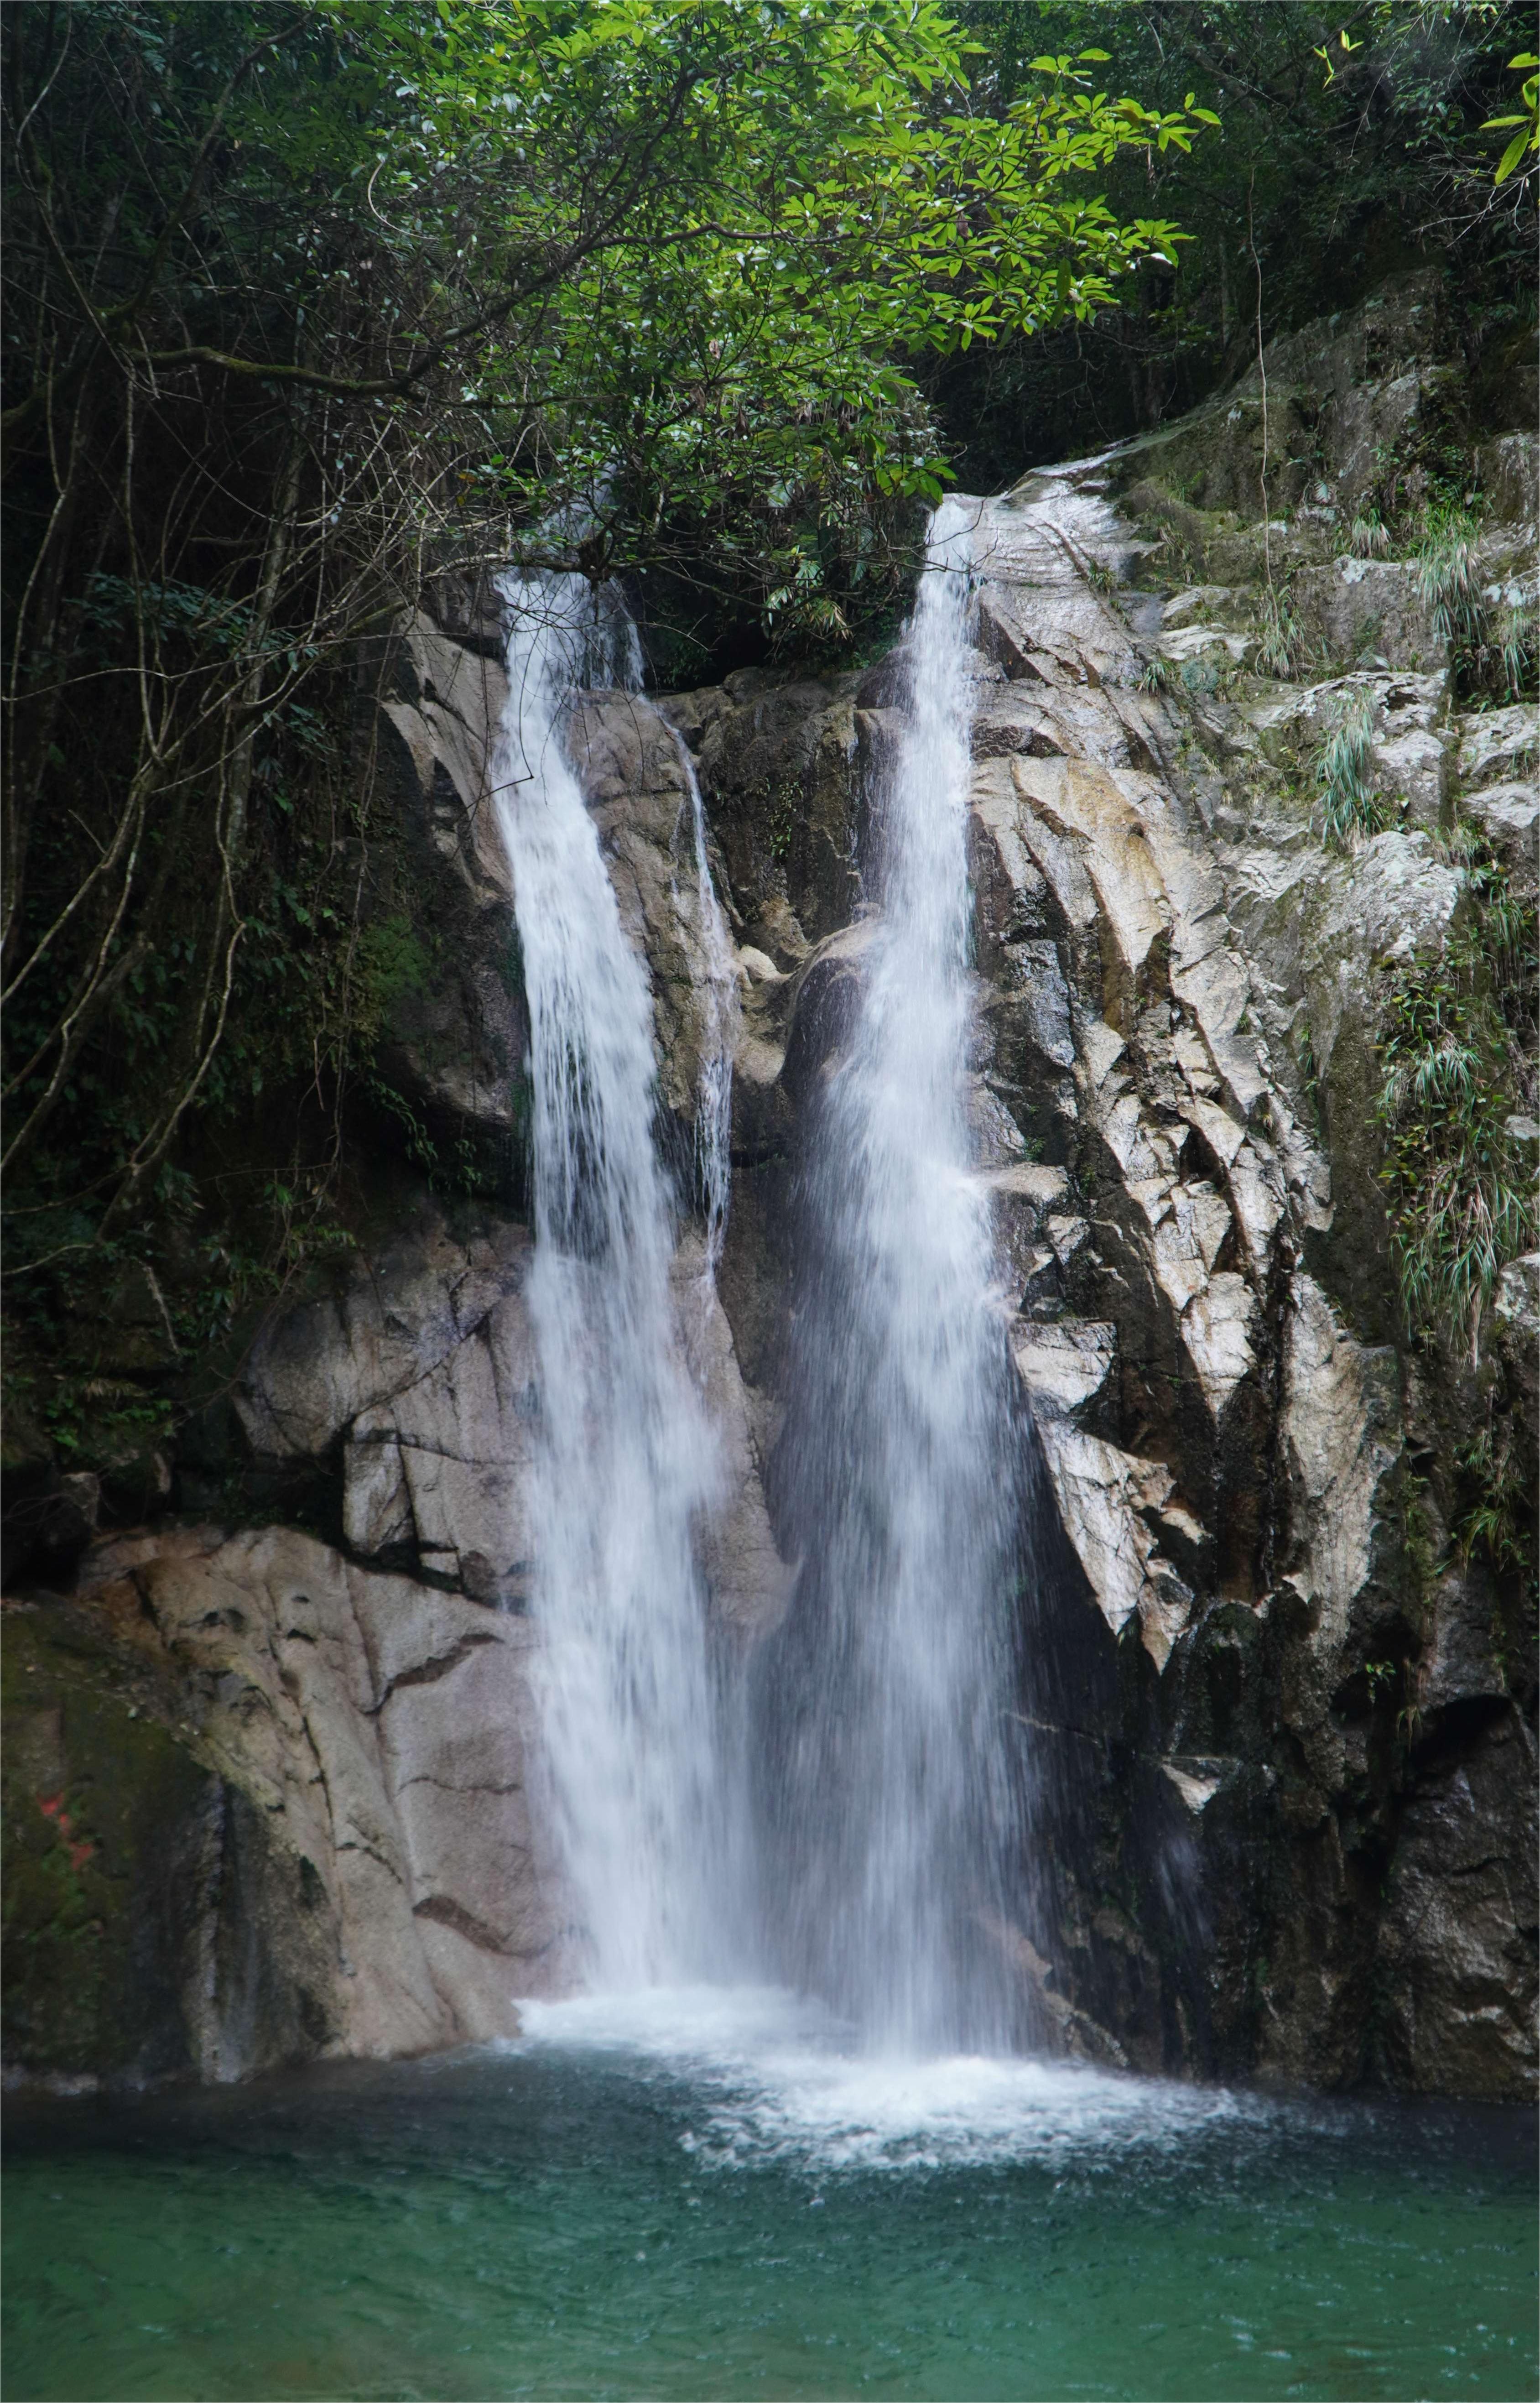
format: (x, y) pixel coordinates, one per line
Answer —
(303, 301)
(1356, 143)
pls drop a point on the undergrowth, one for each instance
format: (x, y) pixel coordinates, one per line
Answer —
(1457, 1052)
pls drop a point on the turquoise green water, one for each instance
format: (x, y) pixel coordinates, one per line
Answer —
(704, 2197)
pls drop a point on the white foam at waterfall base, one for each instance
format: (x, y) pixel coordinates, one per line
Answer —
(765, 2076)
(624, 1459)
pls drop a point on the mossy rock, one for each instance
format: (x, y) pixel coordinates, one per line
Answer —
(99, 1804)
(1207, 545)
(153, 1927)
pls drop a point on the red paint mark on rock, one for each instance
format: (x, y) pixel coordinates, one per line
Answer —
(82, 1849)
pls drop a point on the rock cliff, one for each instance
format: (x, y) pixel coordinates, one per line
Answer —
(273, 1789)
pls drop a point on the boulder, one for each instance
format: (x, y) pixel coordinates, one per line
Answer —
(329, 1766)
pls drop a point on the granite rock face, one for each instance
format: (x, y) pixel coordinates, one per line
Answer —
(299, 1789)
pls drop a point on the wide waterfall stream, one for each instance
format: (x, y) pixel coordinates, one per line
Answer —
(787, 2137)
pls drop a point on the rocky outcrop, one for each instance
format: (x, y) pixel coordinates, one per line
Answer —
(775, 753)
(1316, 1708)
(273, 1783)
(263, 1803)
(448, 981)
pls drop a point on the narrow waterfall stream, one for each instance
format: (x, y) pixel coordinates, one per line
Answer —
(625, 1458)
(893, 1792)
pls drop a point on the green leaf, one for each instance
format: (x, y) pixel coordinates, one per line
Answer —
(1512, 155)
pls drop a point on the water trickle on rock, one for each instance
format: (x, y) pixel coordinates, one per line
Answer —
(625, 1459)
(887, 1785)
(714, 1115)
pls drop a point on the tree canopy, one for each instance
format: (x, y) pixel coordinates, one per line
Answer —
(304, 299)
(1356, 143)
(652, 266)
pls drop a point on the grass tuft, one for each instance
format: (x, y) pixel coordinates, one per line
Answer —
(1369, 535)
(1518, 652)
(1281, 650)
(1351, 811)
(1446, 574)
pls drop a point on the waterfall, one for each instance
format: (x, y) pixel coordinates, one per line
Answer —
(625, 1459)
(889, 1801)
(886, 1786)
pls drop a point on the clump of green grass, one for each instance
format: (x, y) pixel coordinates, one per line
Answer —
(1351, 811)
(1281, 647)
(1517, 651)
(1446, 574)
(1158, 674)
(1369, 535)
(1452, 1046)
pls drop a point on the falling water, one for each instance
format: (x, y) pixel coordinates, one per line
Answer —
(625, 1459)
(714, 1116)
(887, 1787)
